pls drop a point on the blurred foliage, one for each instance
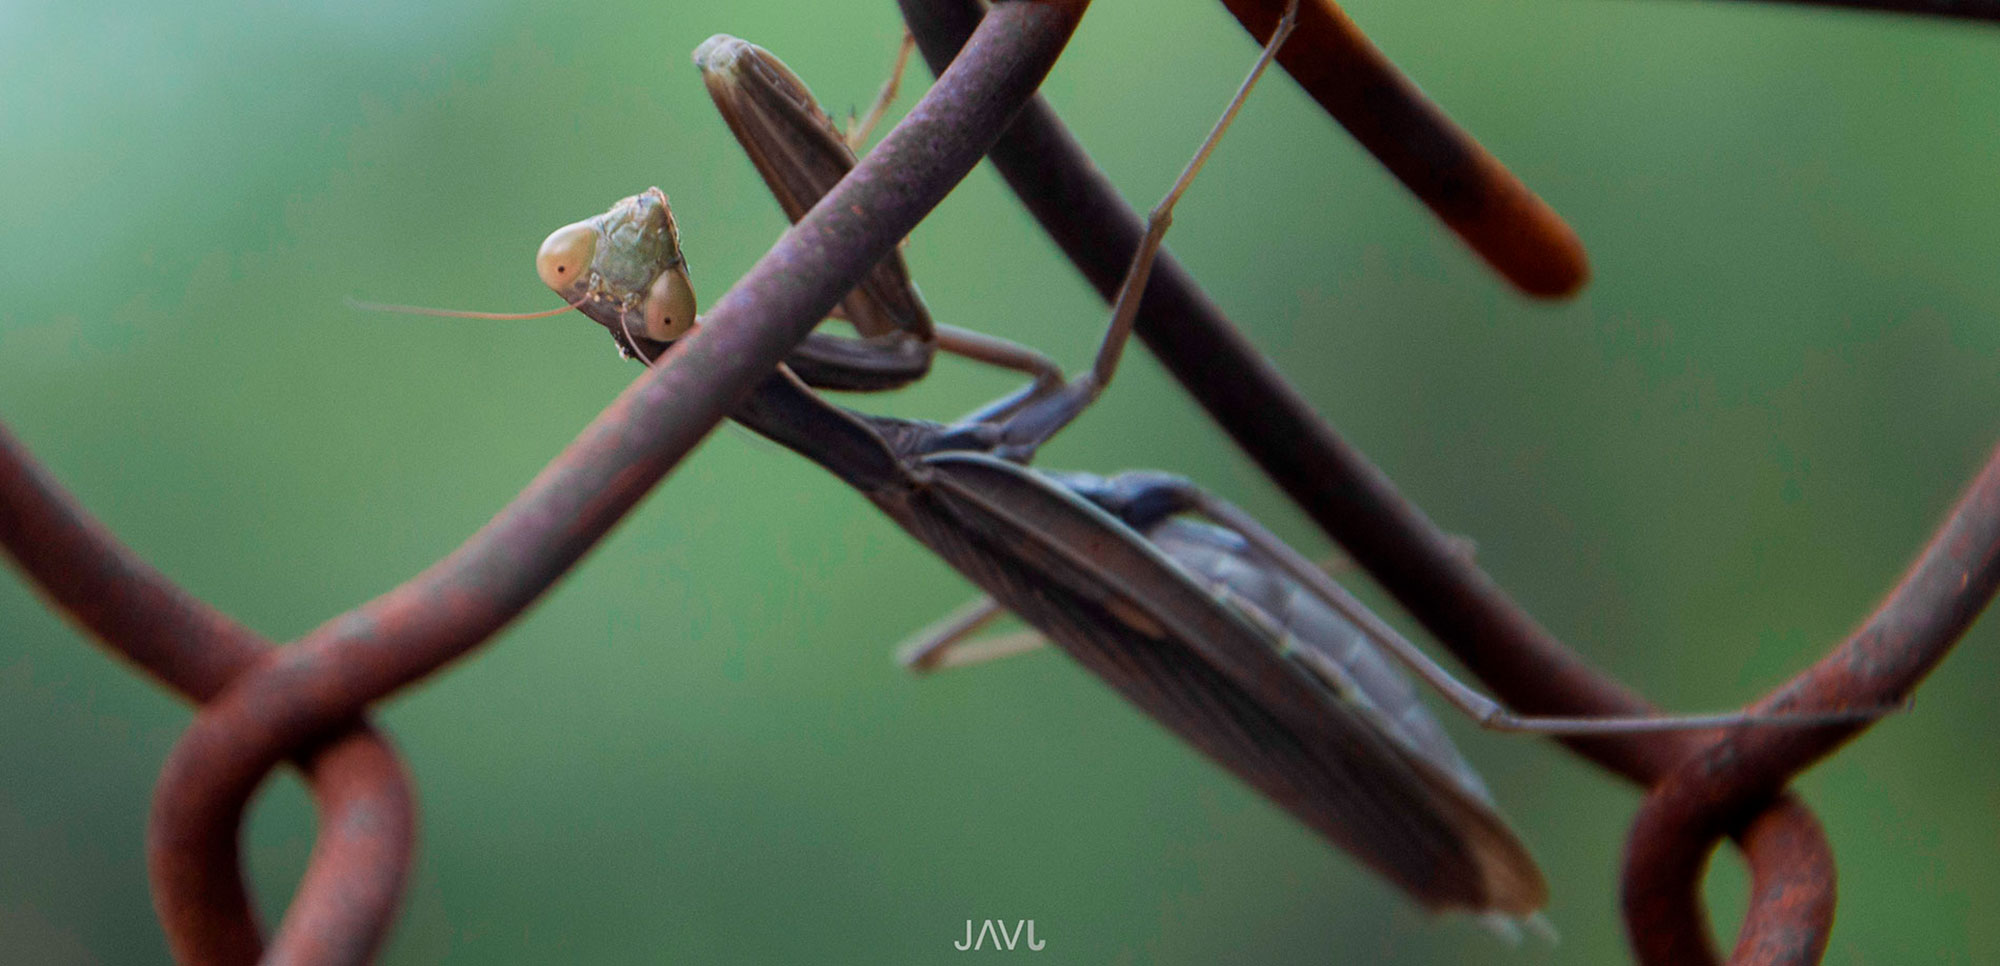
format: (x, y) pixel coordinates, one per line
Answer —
(1700, 473)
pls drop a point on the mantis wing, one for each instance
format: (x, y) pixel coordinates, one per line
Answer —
(1158, 636)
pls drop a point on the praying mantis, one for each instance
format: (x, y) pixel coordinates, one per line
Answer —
(1217, 630)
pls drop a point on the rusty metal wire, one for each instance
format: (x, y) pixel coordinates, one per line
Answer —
(1469, 190)
(1711, 793)
(307, 702)
(1986, 10)
(368, 816)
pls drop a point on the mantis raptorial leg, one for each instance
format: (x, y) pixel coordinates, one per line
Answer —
(801, 154)
(790, 141)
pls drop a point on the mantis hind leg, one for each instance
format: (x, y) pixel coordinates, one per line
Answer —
(949, 642)
(1144, 500)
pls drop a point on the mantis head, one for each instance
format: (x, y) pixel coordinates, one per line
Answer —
(625, 270)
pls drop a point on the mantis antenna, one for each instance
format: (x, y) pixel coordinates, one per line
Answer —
(458, 313)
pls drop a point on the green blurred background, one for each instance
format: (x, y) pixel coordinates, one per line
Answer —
(1700, 473)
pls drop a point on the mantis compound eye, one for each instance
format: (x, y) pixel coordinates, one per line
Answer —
(669, 306)
(565, 256)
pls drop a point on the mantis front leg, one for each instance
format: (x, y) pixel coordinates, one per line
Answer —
(801, 155)
(1039, 416)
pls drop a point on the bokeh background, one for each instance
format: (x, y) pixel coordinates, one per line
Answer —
(1700, 473)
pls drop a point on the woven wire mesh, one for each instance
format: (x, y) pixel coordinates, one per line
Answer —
(365, 818)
